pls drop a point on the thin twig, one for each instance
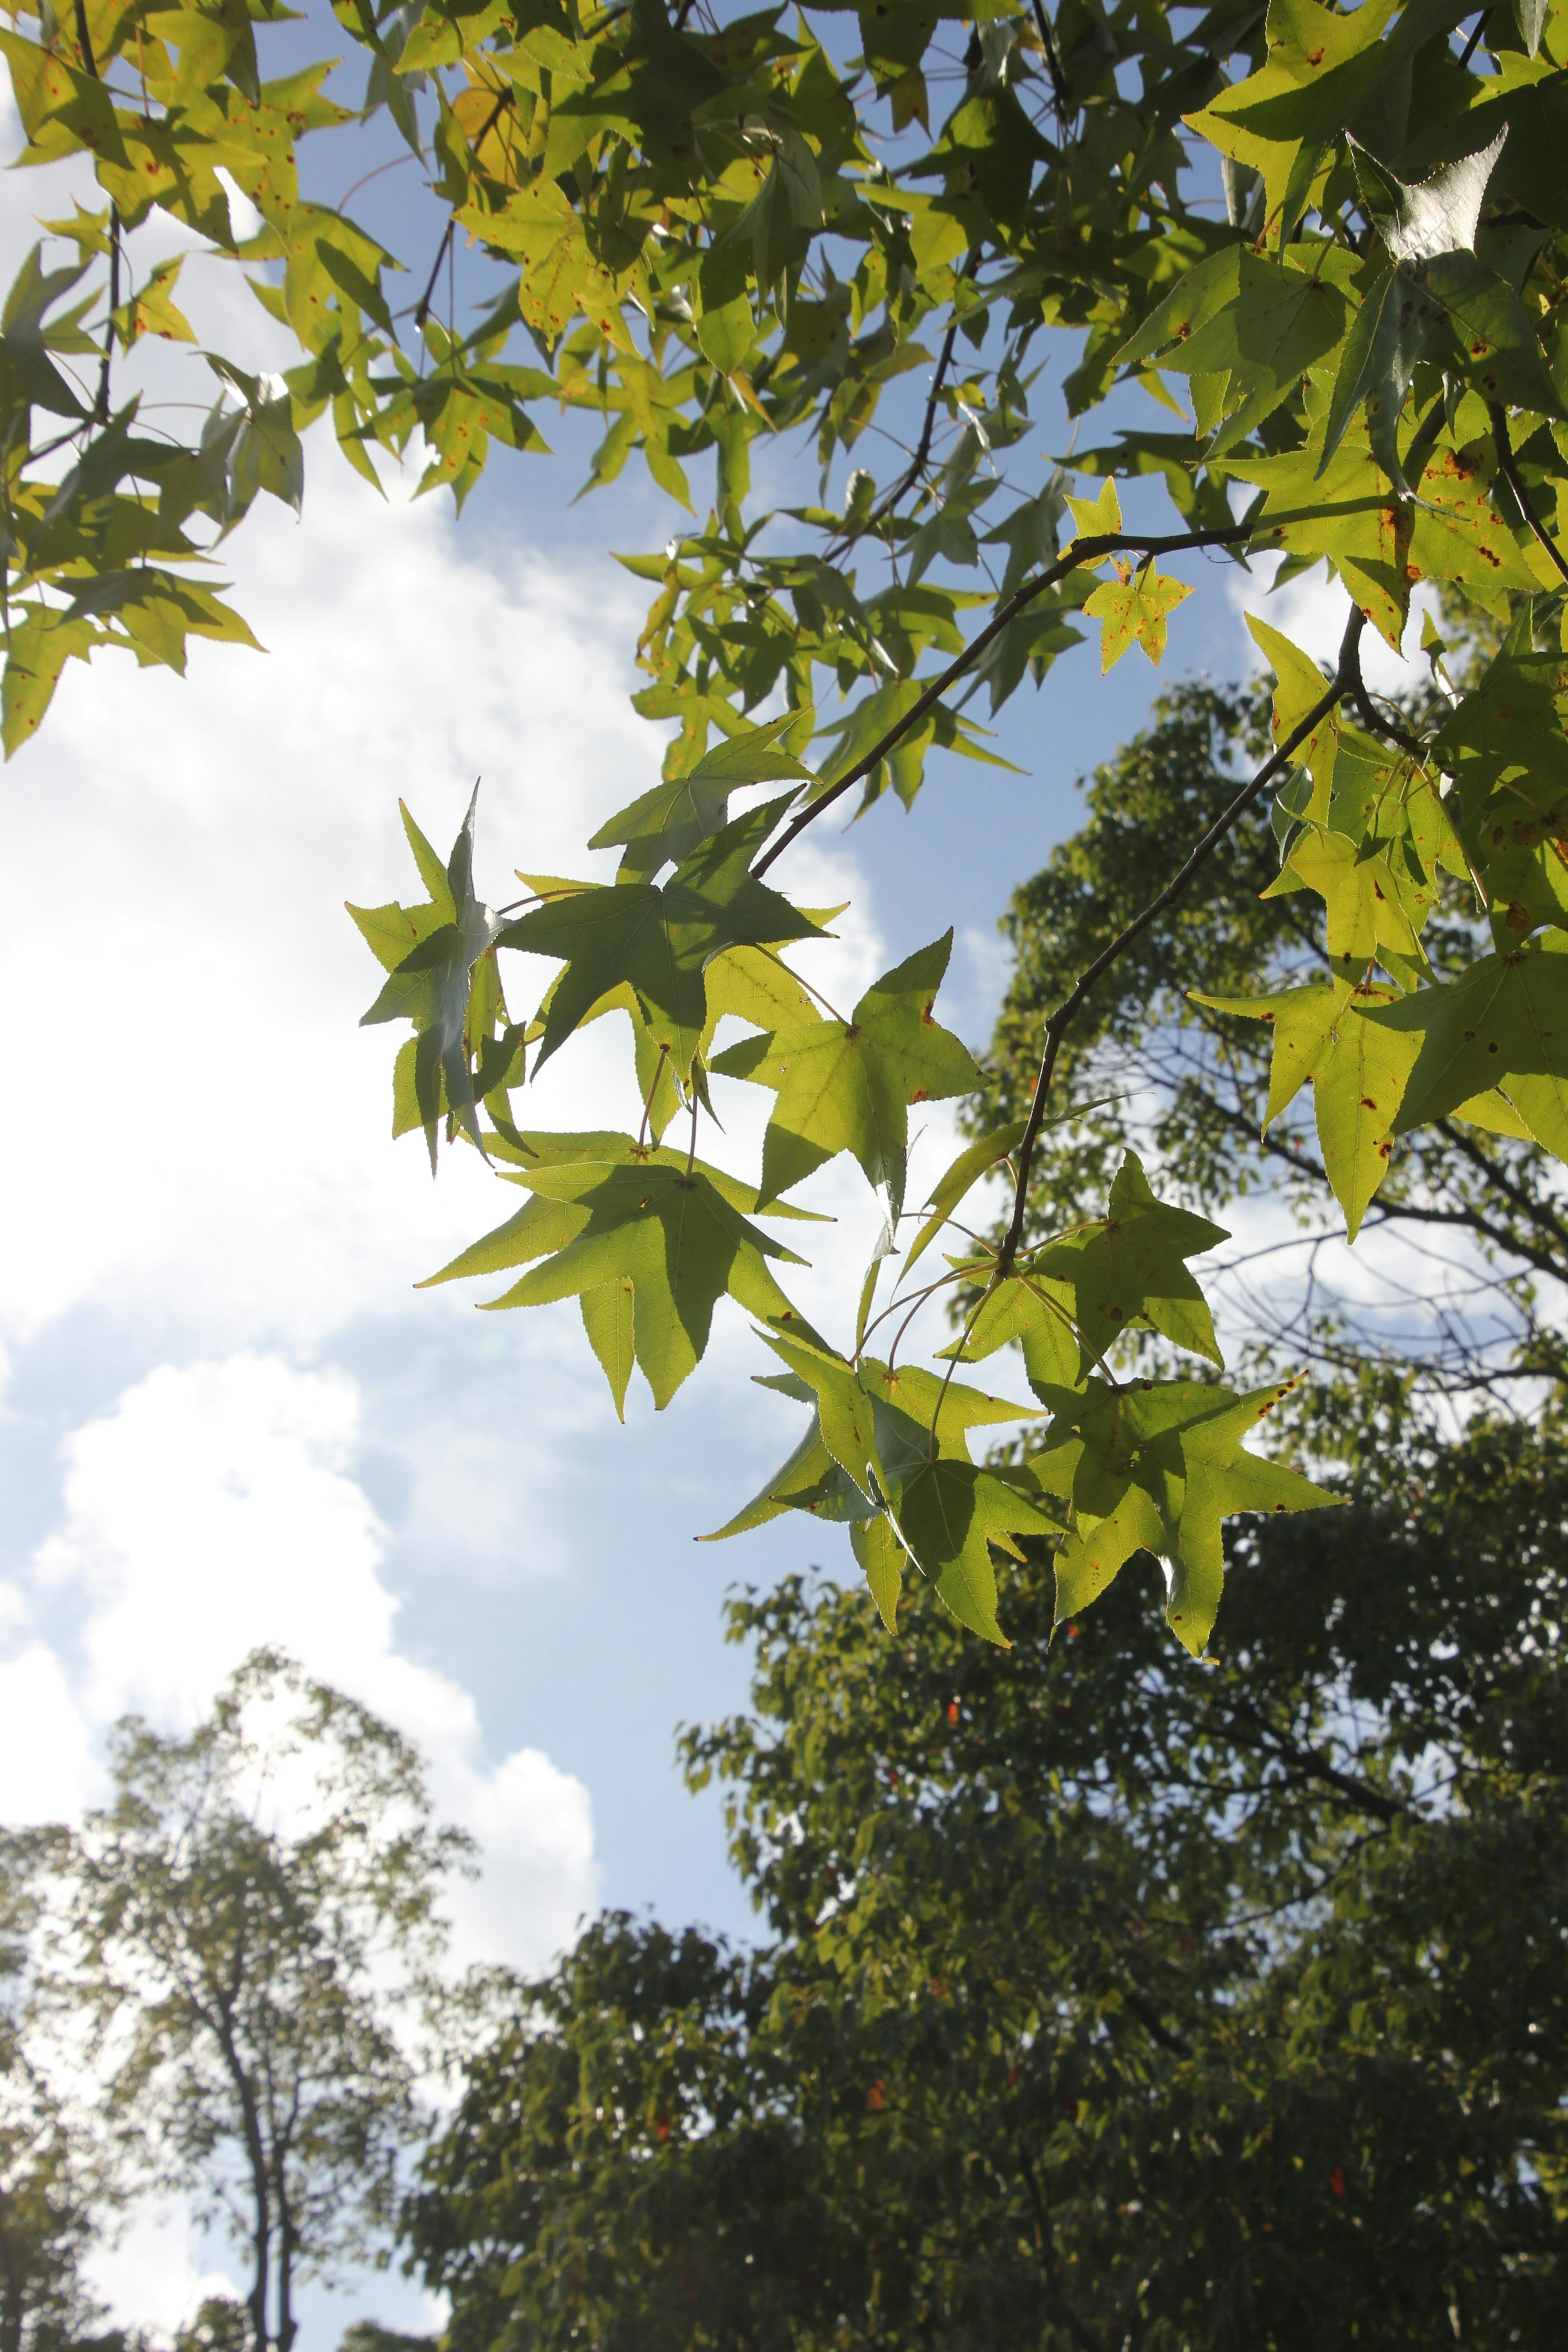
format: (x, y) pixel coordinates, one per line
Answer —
(422, 308)
(1081, 551)
(1510, 474)
(917, 464)
(1053, 63)
(1062, 1018)
(1468, 52)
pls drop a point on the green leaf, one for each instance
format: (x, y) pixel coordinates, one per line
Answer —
(881, 1557)
(1299, 684)
(609, 1319)
(848, 1086)
(948, 1515)
(1358, 1074)
(660, 937)
(1157, 1467)
(432, 987)
(1130, 1267)
(1418, 221)
(677, 816)
(974, 1161)
(1255, 324)
(673, 1236)
(1503, 1023)
(1369, 904)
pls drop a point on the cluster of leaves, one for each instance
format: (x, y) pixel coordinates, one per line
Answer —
(1119, 2001)
(1203, 1041)
(711, 229)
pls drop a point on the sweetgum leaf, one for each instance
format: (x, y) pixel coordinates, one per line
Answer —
(681, 1245)
(1358, 1076)
(848, 1086)
(1503, 1023)
(1134, 611)
(1131, 1266)
(1158, 1467)
(431, 988)
(881, 1557)
(660, 937)
(949, 1513)
(1419, 220)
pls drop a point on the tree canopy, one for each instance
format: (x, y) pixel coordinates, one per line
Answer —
(239, 1947)
(1119, 2000)
(1329, 244)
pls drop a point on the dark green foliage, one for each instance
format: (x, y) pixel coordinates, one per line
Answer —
(1110, 1997)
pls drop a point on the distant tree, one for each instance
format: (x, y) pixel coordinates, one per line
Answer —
(370, 2335)
(251, 1926)
(54, 2189)
(1110, 1999)
(221, 2324)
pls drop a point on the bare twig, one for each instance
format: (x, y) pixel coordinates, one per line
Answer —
(1067, 1013)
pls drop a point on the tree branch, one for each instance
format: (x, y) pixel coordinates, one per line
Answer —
(1053, 63)
(1066, 1014)
(1508, 466)
(1081, 551)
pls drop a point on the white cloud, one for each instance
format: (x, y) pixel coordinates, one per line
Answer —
(1311, 610)
(213, 1510)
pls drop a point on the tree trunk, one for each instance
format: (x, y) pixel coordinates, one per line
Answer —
(12, 2299)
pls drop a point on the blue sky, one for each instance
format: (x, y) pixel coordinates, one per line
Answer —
(226, 1416)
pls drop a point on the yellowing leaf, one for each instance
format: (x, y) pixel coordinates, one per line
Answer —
(1099, 517)
(1503, 1023)
(1134, 609)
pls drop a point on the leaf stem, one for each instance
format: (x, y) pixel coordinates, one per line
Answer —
(1082, 551)
(1509, 464)
(894, 1304)
(691, 1148)
(831, 1010)
(1339, 685)
(647, 1104)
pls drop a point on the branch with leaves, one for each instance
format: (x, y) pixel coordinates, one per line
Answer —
(692, 226)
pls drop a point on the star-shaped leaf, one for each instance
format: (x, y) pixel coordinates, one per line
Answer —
(660, 937)
(1370, 902)
(948, 1514)
(1503, 1023)
(673, 819)
(847, 1085)
(1134, 609)
(1099, 517)
(677, 1240)
(1157, 1467)
(1129, 1266)
(1358, 1076)
(431, 987)
(1255, 324)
